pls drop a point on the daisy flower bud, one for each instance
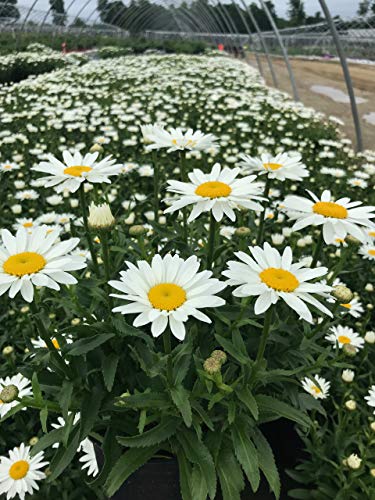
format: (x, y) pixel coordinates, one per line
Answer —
(242, 232)
(100, 217)
(96, 148)
(372, 426)
(9, 393)
(137, 230)
(370, 337)
(347, 376)
(349, 350)
(372, 472)
(369, 287)
(353, 461)
(220, 356)
(351, 405)
(7, 350)
(33, 441)
(342, 293)
(212, 366)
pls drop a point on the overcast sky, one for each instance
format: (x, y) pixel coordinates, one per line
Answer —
(345, 8)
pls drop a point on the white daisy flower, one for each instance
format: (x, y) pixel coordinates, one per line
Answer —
(37, 259)
(75, 170)
(24, 389)
(338, 218)
(272, 277)
(175, 139)
(167, 292)
(39, 343)
(281, 167)
(20, 472)
(371, 397)
(219, 192)
(88, 458)
(27, 223)
(367, 251)
(343, 335)
(28, 194)
(318, 387)
(354, 307)
(7, 166)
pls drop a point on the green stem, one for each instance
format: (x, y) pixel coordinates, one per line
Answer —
(106, 261)
(318, 250)
(211, 241)
(263, 214)
(168, 349)
(263, 341)
(340, 265)
(184, 212)
(44, 335)
(156, 188)
(87, 229)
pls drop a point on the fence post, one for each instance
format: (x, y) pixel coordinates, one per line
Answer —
(345, 69)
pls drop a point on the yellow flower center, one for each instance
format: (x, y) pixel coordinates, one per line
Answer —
(24, 263)
(213, 189)
(272, 166)
(316, 389)
(77, 171)
(343, 339)
(330, 209)
(19, 469)
(28, 224)
(348, 306)
(55, 343)
(174, 141)
(372, 234)
(371, 252)
(279, 279)
(7, 167)
(167, 296)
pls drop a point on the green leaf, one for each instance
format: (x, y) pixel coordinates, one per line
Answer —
(111, 452)
(181, 363)
(43, 415)
(269, 404)
(232, 350)
(83, 346)
(230, 475)
(109, 368)
(267, 461)
(146, 400)
(90, 410)
(246, 454)
(248, 400)
(198, 484)
(198, 454)
(126, 465)
(203, 415)
(48, 440)
(64, 456)
(37, 392)
(13, 411)
(185, 471)
(166, 429)
(65, 396)
(180, 397)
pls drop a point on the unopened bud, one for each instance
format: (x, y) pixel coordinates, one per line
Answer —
(212, 366)
(9, 394)
(351, 405)
(137, 230)
(100, 217)
(242, 232)
(372, 472)
(342, 293)
(370, 337)
(220, 356)
(33, 441)
(353, 461)
(349, 350)
(96, 148)
(372, 426)
(347, 376)
(7, 350)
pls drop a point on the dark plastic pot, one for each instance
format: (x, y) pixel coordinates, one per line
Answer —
(159, 479)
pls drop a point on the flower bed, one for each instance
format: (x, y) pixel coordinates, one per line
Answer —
(174, 297)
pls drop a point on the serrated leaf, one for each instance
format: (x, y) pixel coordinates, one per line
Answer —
(146, 400)
(246, 454)
(43, 415)
(126, 465)
(37, 392)
(198, 484)
(198, 454)
(248, 400)
(111, 453)
(232, 350)
(273, 405)
(161, 432)
(109, 368)
(65, 396)
(185, 471)
(13, 411)
(180, 397)
(89, 410)
(64, 456)
(267, 461)
(230, 475)
(83, 346)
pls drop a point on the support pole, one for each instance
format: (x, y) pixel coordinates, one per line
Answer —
(345, 69)
(283, 49)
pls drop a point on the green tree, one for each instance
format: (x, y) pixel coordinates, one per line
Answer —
(296, 12)
(8, 9)
(58, 12)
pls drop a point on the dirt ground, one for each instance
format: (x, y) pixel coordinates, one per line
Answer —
(328, 73)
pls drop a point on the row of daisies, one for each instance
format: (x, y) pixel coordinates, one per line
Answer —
(169, 289)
